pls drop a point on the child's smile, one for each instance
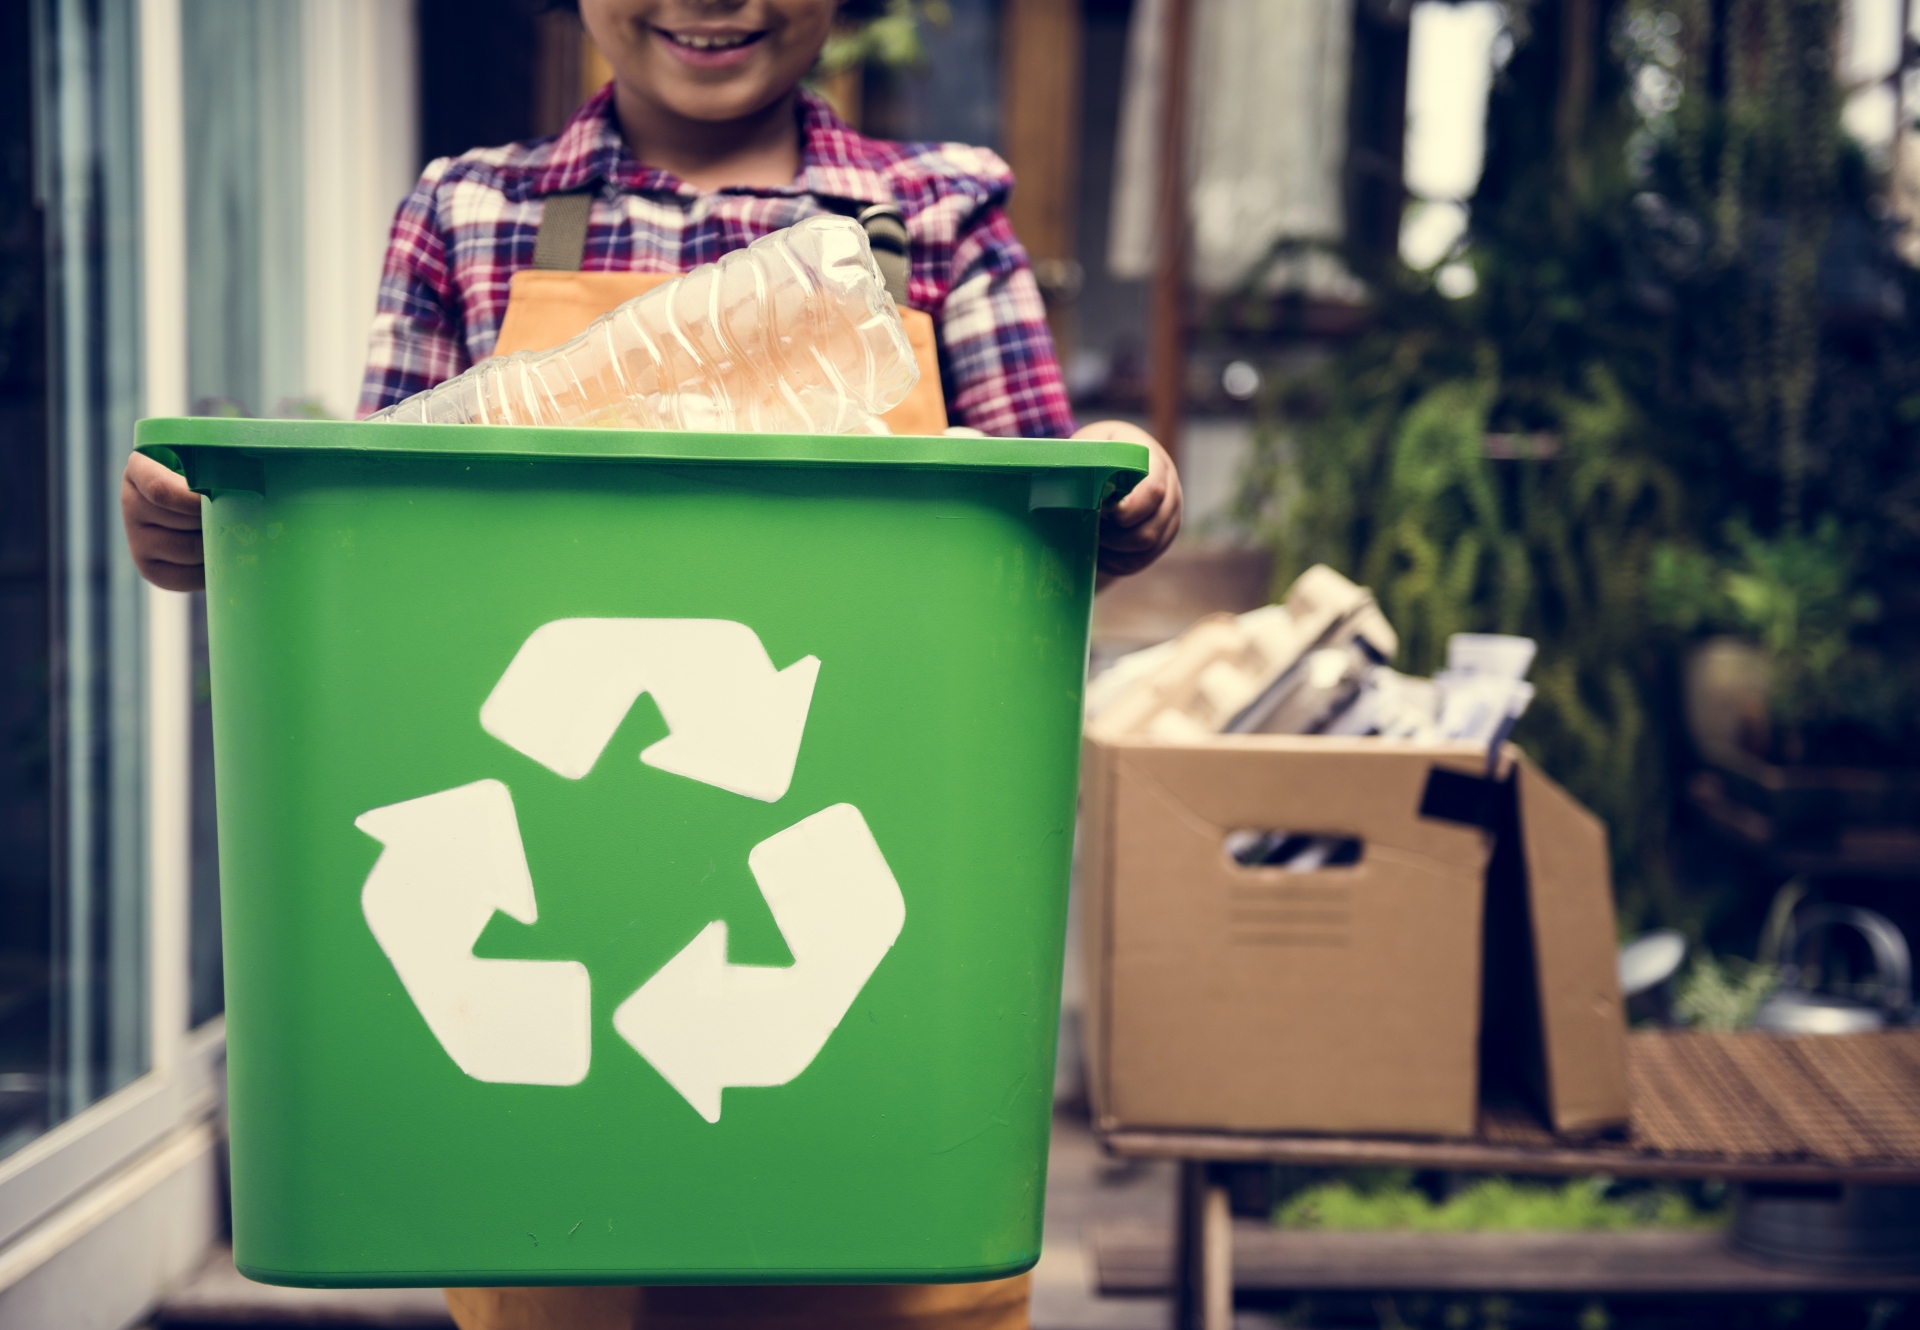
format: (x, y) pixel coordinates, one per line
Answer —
(707, 60)
(708, 46)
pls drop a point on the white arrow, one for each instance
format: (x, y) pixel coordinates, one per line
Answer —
(705, 1024)
(450, 860)
(734, 721)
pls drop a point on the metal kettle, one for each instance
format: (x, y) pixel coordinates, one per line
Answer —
(1798, 1008)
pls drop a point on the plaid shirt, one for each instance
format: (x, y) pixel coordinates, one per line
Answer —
(470, 223)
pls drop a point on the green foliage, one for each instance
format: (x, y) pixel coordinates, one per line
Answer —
(1387, 1200)
(889, 39)
(1784, 373)
(1388, 476)
(1786, 376)
(1724, 994)
(1799, 597)
(1679, 283)
(1379, 463)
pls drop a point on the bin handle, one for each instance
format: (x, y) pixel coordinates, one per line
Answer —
(1077, 488)
(212, 471)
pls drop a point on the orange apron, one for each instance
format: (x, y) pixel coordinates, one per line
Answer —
(548, 305)
(554, 302)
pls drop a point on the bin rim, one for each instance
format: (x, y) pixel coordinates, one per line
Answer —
(162, 437)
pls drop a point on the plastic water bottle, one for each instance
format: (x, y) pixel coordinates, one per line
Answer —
(795, 333)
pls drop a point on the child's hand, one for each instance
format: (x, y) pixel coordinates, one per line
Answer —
(162, 517)
(1137, 528)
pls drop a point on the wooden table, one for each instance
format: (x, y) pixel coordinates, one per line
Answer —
(1742, 1107)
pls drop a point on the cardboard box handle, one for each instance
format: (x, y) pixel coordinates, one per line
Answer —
(1295, 851)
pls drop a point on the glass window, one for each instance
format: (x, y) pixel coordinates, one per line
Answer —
(26, 611)
(245, 353)
(73, 1011)
(245, 348)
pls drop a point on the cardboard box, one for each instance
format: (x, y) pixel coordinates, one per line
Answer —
(1467, 954)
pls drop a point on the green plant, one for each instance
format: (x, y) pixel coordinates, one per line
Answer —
(1682, 297)
(1387, 1199)
(1379, 466)
(889, 39)
(1798, 596)
(1724, 994)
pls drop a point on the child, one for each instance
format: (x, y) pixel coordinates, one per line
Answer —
(704, 142)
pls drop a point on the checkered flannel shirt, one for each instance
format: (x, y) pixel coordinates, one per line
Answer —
(470, 223)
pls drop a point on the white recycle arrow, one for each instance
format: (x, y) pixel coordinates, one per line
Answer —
(735, 722)
(449, 861)
(706, 1025)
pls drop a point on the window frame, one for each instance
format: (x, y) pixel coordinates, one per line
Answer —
(146, 1151)
(184, 1080)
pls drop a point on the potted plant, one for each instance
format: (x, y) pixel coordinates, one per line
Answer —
(1799, 718)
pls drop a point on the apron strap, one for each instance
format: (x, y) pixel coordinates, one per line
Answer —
(887, 234)
(561, 241)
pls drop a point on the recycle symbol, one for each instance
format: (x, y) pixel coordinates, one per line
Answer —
(450, 860)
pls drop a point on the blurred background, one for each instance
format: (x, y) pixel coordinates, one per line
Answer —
(1588, 320)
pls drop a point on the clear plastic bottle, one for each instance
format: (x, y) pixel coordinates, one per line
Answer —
(794, 334)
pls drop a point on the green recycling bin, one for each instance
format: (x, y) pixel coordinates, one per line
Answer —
(644, 856)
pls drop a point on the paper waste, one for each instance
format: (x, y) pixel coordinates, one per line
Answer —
(1314, 664)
